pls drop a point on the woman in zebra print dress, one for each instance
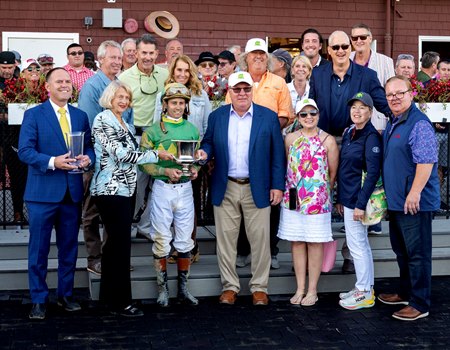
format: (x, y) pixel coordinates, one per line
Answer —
(113, 187)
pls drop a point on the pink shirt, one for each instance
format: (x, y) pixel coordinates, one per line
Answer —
(78, 77)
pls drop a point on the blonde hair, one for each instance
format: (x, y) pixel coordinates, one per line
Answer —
(193, 83)
(110, 92)
(307, 63)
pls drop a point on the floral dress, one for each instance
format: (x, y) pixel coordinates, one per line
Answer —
(307, 170)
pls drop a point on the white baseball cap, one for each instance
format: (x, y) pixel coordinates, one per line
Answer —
(305, 102)
(240, 77)
(256, 44)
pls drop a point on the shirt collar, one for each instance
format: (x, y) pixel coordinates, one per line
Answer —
(248, 113)
(56, 107)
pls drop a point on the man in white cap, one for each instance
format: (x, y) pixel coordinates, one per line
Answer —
(245, 140)
(271, 91)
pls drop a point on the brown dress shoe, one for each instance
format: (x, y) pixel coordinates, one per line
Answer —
(392, 299)
(260, 298)
(228, 297)
(409, 313)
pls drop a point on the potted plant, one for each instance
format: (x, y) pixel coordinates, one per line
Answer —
(432, 98)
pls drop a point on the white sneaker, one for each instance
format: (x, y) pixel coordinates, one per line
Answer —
(348, 294)
(358, 300)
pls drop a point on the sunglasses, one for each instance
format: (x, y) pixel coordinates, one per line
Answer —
(150, 87)
(312, 113)
(360, 37)
(207, 64)
(223, 64)
(30, 69)
(343, 47)
(76, 53)
(237, 90)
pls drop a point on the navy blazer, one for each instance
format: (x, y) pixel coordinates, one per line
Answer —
(266, 154)
(362, 80)
(40, 139)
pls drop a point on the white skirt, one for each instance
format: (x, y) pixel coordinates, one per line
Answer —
(296, 227)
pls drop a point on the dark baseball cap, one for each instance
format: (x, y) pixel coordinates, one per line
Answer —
(7, 57)
(283, 55)
(363, 97)
(226, 55)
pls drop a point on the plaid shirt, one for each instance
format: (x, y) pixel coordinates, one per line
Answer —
(78, 77)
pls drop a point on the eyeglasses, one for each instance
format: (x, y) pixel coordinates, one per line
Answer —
(153, 87)
(76, 53)
(343, 47)
(312, 113)
(237, 90)
(207, 64)
(30, 69)
(398, 95)
(360, 37)
(223, 64)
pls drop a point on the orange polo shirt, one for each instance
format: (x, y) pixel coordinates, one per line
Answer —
(272, 92)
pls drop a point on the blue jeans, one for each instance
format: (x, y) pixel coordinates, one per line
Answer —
(411, 242)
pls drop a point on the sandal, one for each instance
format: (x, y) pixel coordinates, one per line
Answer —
(309, 300)
(297, 298)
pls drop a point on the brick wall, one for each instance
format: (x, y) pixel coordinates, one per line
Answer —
(214, 24)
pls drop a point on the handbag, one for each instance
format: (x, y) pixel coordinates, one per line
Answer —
(376, 207)
(329, 255)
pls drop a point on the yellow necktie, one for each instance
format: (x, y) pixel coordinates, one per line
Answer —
(64, 124)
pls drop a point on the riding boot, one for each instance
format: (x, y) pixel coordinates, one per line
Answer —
(183, 264)
(161, 280)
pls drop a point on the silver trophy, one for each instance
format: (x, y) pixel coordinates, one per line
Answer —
(186, 155)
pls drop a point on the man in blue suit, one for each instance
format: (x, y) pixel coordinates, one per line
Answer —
(245, 140)
(332, 85)
(52, 195)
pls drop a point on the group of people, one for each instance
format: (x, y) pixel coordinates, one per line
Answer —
(283, 133)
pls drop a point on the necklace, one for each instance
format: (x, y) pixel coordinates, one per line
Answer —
(316, 133)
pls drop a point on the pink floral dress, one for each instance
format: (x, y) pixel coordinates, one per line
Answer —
(307, 170)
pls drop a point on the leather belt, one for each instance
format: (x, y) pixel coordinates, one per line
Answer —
(181, 181)
(240, 181)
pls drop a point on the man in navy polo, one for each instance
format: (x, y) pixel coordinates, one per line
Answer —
(412, 190)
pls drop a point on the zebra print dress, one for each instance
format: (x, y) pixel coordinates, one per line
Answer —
(117, 156)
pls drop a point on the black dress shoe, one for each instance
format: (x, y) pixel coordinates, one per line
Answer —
(129, 311)
(348, 267)
(68, 304)
(37, 312)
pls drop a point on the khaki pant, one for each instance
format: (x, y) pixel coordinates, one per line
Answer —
(257, 225)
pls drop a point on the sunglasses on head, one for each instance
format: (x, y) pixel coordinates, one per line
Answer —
(207, 64)
(30, 69)
(343, 47)
(312, 113)
(360, 37)
(76, 53)
(238, 90)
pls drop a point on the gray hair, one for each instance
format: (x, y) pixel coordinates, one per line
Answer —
(234, 48)
(429, 58)
(404, 56)
(335, 33)
(362, 26)
(110, 92)
(243, 65)
(171, 41)
(101, 51)
(126, 41)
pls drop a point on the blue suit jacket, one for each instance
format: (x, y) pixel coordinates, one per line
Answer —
(362, 79)
(40, 139)
(266, 154)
